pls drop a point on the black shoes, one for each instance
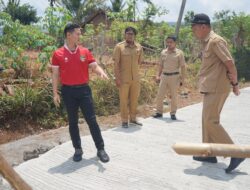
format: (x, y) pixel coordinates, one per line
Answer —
(124, 124)
(234, 163)
(157, 115)
(205, 159)
(78, 155)
(103, 156)
(136, 123)
(173, 117)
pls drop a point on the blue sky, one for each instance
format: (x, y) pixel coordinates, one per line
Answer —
(198, 6)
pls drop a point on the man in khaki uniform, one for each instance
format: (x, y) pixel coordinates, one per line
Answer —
(127, 56)
(216, 74)
(171, 63)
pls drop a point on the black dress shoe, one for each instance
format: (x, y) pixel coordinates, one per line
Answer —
(234, 163)
(136, 123)
(173, 117)
(104, 157)
(157, 115)
(124, 124)
(78, 155)
(205, 159)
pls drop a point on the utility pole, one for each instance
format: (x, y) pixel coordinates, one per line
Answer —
(134, 4)
(180, 18)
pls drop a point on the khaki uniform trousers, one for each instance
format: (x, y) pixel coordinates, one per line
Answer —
(129, 93)
(212, 130)
(170, 83)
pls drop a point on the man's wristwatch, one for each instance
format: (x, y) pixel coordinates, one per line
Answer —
(234, 84)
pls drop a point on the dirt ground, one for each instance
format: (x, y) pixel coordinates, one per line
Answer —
(106, 122)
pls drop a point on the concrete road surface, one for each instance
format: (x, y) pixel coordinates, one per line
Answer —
(142, 157)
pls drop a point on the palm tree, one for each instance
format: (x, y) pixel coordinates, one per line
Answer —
(117, 5)
(52, 2)
(81, 8)
(25, 13)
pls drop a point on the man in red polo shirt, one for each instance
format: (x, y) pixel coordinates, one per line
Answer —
(70, 65)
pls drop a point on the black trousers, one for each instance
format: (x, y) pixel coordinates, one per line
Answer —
(73, 98)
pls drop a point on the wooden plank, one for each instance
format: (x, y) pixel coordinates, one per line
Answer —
(11, 176)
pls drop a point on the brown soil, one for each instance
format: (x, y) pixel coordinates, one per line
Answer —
(106, 122)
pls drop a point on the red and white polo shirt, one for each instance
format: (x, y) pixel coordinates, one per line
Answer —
(73, 66)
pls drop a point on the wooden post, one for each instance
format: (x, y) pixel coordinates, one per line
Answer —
(212, 149)
(11, 176)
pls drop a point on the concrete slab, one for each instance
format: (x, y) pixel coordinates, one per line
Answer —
(142, 157)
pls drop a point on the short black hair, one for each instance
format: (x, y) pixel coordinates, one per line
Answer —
(173, 37)
(130, 28)
(70, 27)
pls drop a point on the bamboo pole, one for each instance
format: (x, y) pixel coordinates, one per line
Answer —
(11, 176)
(212, 149)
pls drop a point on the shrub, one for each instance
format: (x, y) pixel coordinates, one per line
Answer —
(106, 95)
(192, 74)
(30, 104)
(242, 57)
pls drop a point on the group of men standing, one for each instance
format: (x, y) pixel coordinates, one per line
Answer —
(71, 62)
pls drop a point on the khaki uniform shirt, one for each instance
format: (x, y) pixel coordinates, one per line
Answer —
(213, 72)
(172, 61)
(127, 59)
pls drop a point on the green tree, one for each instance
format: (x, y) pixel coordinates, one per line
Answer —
(55, 20)
(25, 13)
(235, 28)
(79, 9)
(52, 2)
(188, 17)
(117, 5)
(150, 12)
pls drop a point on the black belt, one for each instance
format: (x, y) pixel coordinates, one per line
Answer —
(169, 74)
(75, 86)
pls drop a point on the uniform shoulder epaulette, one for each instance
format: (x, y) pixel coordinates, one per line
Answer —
(179, 50)
(164, 50)
(217, 38)
(138, 44)
(120, 43)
